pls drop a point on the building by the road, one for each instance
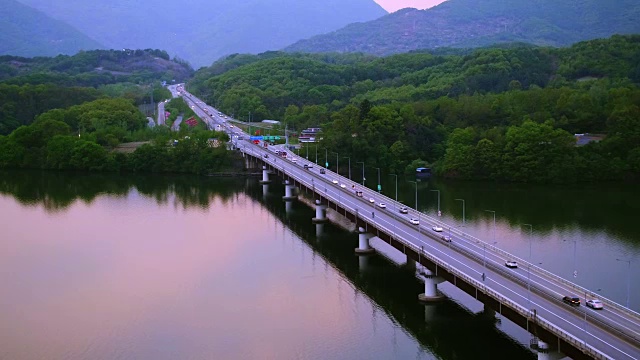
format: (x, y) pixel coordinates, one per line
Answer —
(310, 135)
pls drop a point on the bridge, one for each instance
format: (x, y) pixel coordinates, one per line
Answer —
(528, 295)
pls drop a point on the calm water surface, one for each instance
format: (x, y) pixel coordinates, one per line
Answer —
(148, 267)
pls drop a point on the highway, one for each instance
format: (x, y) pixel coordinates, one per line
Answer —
(613, 332)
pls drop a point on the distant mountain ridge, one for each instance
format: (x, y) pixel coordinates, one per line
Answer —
(29, 32)
(472, 23)
(201, 31)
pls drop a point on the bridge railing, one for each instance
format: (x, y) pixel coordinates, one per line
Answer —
(572, 287)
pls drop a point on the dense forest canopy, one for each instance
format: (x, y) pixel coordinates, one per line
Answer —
(32, 86)
(468, 115)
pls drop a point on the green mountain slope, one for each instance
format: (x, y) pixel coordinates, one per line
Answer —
(202, 31)
(472, 23)
(29, 32)
(94, 68)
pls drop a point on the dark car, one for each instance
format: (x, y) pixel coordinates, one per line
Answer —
(572, 300)
(322, 171)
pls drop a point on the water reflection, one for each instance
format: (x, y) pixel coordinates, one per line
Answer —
(395, 290)
(57, 191)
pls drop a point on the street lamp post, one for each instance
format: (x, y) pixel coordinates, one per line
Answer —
(396, 185)
(463, 220)
(349, 158)
(529, 266)
(416, 184)
(438, 191)
(316, 153)
(362, 162)
(628, 278)
(326, 158)
(337, 162)
(379, 186)
(485, 245)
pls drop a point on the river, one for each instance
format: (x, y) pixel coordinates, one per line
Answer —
(185, 267)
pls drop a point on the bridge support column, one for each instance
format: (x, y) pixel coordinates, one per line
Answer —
(265, 190)
(321, 213)
(265, 176)
(319, 230)
(288, 191)
(363, 243)
(431, 293)
(545, 352)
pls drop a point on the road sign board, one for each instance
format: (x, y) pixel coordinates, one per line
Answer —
(326, 164)
(256, 137)
(379, 187)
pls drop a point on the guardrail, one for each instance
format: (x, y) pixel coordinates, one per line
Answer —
(496, 250)
(541, 321)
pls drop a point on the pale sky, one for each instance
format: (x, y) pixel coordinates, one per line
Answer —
(394, 5)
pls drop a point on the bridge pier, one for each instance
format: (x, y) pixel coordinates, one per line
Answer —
(321, 213)
(431, 293)
(265, 190)
(288, 192)
(319, 230)
(363, 242)
(545, 352)
(265, 176)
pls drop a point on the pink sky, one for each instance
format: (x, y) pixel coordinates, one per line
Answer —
(393, 5)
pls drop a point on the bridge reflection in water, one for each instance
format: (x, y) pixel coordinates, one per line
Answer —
(447, 329)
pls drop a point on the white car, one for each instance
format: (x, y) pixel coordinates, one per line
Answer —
(371, 200)
(294, 160)
(436, 228)
(343, 186)
(310, 165)
(445, 238)
(382, 205)
(595, 304)
(511, 264)
(404, 210)
(414, 221)
(334, 181)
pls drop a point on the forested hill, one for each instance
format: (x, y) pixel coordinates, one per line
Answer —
(94, 68)
(477, 115)
(202, 31)
(32, 86)
(29, 32)
(473, 23)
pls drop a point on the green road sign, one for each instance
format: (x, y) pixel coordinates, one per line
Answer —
(277, 137)
(379, 187)
(326, 164)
